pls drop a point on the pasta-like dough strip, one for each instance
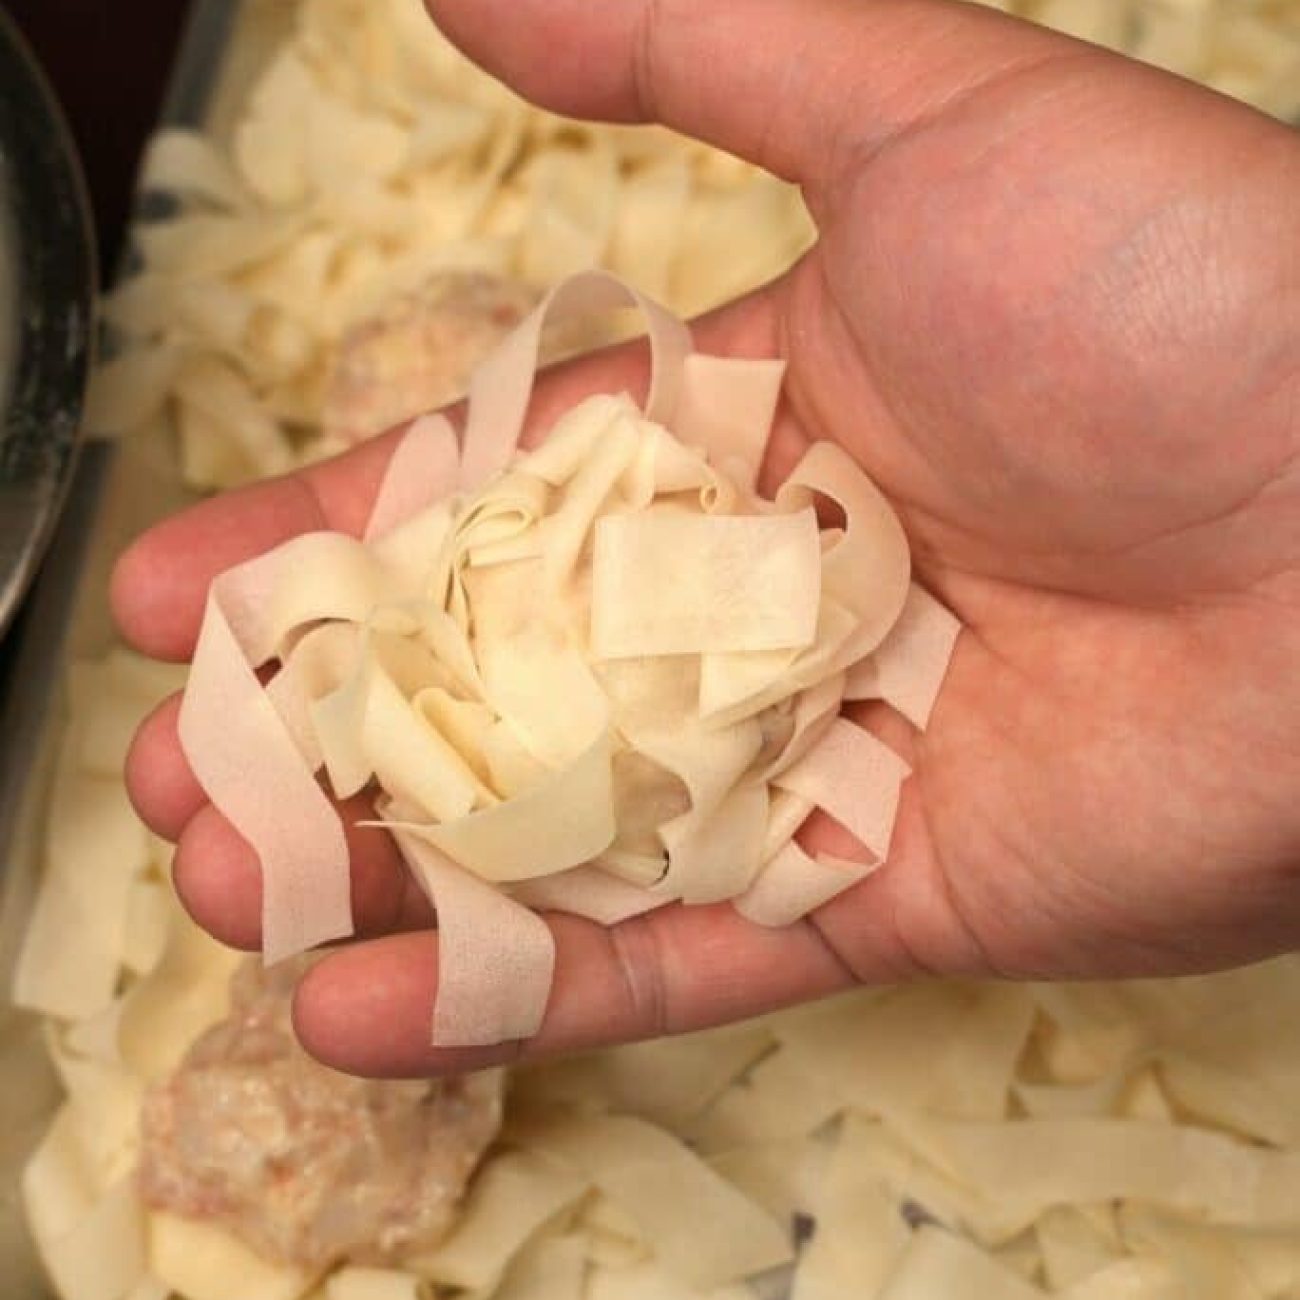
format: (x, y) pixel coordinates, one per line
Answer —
(509, 1202)
(908, 667)
(794, 883)
(856, 779)
(225, 719)
(563, 822)
(495, 958)
(502, 385)
(715, 856)
(423, 471)
(669, 1192)
(666, 584)
(873, 542)
(202, 1262)
(309, 578)
(727, 405)
(938, 1264)
(586, 891)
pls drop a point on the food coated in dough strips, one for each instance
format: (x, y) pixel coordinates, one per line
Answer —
(597, 677)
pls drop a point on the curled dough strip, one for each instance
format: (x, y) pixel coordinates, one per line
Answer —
(249, 767)
(502, 385)
(495, 957)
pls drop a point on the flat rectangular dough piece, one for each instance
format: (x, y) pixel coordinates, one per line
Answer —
(665, 583)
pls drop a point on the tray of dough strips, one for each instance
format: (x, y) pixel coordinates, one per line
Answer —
(359, 228)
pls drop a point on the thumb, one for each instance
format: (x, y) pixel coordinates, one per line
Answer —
(800, 87)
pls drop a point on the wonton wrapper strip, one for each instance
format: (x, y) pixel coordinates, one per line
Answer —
(814, 711)
(1080, 1101)
(101, 1257)
(352, 1283)
(667, 1081)
(203, 1262)
(777, 1101)
(869, 568)
(1215, 1261)
(1072, 1246)
(249, 767)
(304, 580)
(645, 1280)
(96, 1038)
(881, 1055)
(730, 680)
(793, 883)
(666, 584)
(424, 469)
(935, 1195)
(715, 856)
(528, 664)
(782, 1176)
(1037, 1164)
(495, 957)
(189, 165)
(670, 1193)
(104, 1101)
(860, 1230)
(58, 1184)
(727, 406)
(708, 763)
(411, 758)
(162, 1014)
(550, 1268)
(219, 393)
(976, 1068)
(939, 1265)
(564, 821)
(648, 221)
(510, 1200)
(1133, 1279)
(316, 667)
(95, 850)
(407, 549)
(613, 1236)
(1260, 1106)
(577, 434)
(149, 1288)
(501, 387)
(588, 892)
(585, 492)
(786, 813)
(129, 390)
(109, 700)
(855, 779)
(772, 677)
(907, 669)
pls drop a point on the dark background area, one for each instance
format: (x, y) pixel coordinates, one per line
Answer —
(108, 61)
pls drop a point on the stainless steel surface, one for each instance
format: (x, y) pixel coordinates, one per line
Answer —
(47, 276)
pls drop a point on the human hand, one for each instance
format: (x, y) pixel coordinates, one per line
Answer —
(1054, 311)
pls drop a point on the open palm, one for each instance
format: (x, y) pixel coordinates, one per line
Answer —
(1055, 313)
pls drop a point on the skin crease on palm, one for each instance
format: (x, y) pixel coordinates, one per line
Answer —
(1055, 313)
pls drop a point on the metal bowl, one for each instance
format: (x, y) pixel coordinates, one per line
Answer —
(47, 299)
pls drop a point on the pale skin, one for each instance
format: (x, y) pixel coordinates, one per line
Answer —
(1054, 312)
